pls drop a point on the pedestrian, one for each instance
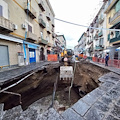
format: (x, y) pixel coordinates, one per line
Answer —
(106, 59)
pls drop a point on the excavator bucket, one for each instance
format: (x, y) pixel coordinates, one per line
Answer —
(66, 73)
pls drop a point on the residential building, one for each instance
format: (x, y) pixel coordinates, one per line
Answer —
(112, 11)
(100, 39)
(62, 40)
(82, 43)
(76, 50)
(57, 46)
(26, 29)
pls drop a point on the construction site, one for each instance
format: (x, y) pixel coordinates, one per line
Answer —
(43, 89)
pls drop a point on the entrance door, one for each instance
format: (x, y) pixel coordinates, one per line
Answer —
(4, 56)
(32, 55)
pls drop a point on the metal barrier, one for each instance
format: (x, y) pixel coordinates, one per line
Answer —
(52, 57)
(111, 62)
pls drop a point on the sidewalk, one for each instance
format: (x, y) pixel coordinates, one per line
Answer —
(112, 69)
(12, 74)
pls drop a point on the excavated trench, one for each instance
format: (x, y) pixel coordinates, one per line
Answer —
(41, 84)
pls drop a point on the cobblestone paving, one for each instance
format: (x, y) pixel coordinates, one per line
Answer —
(10, 75)
(112, 69)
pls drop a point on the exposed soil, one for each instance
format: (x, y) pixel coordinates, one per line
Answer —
(41, 84)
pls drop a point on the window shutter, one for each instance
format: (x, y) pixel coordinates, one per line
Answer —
(1, 10)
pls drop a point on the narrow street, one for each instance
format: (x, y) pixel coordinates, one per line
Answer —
(59, 60)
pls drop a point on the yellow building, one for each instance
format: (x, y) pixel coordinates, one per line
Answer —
(26, 30)
(113, 22)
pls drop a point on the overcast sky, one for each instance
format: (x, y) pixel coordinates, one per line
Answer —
(76, 11)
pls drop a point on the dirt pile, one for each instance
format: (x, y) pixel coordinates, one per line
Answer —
(86, 77)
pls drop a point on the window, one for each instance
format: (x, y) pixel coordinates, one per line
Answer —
(41, 34)
(1, 10)
(109, 20)
(29, 28)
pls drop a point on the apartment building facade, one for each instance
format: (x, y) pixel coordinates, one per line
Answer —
(112, 11)
(62, 40)
(26, 29)
(82, 43)
(100, 39)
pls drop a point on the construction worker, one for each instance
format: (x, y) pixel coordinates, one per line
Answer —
(65, 61)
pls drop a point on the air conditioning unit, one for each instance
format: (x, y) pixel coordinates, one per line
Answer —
(15, 27)
(23, 26)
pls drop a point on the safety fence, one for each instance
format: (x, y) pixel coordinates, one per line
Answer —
(52, 57)
(111, 62)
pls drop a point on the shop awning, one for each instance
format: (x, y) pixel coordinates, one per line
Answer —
(31, 45)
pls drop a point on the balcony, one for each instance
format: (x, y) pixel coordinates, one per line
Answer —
(48, 16)
(30, 11)
(115, 18)
(48, 30)
(53, 35)
(99, 47)
(101, 20)
(5, 25)
(109, 5)
(42, 23)
(116, 39)
(43, 41)
(41, 5)
(50, 44)
(108, 37)
(31, 36)
(96, 25)
(89, 41)
(100, 34)
(53, 24)
(91, 30)
(96, 36)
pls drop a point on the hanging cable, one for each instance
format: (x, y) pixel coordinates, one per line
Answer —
(87, 26)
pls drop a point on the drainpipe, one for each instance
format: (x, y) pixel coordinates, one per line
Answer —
(24, 48)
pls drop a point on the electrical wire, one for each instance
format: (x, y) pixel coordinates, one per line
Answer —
(87, 26)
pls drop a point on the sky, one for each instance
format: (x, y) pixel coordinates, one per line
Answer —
(77, 11)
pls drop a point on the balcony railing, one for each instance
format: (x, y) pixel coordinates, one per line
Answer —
(42, 23)
(100, 34)
(6, 25)
(48, 16)
(41, 5)
(96, 37)
(53, 35)
(101, 20)
(43, 41)
(31, 36)
(48, 30)
(114, 18)
(116, 38)
(30, 11)
(99, 47)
